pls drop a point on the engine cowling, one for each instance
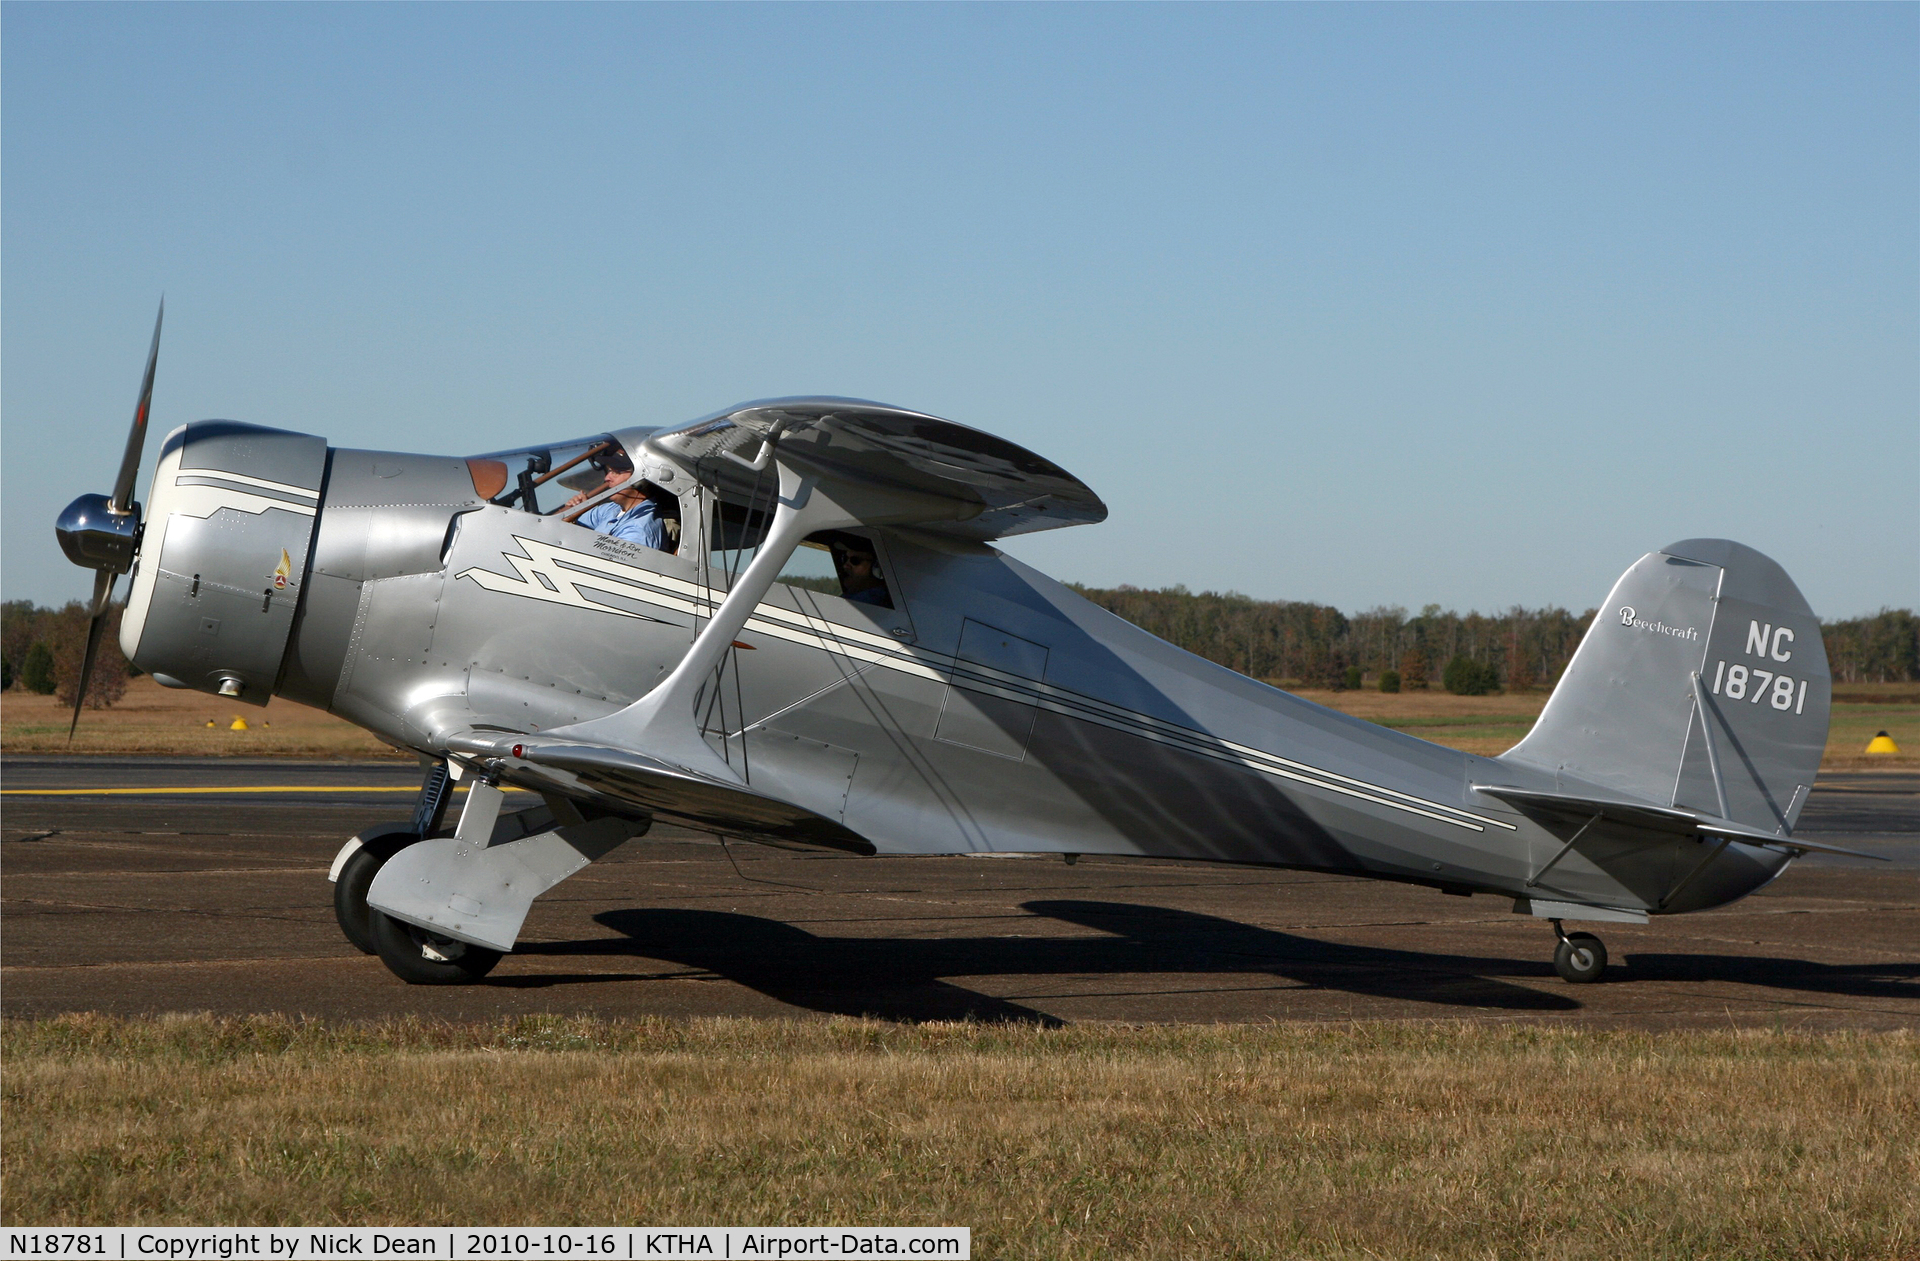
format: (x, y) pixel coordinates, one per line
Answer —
(223, 557)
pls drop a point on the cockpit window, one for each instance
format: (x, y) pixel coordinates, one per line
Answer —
(857, 563)
(523, 479)
(833, 562)
(589, 481)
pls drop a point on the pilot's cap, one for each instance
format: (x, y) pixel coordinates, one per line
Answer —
(613, 458)
(652, 468)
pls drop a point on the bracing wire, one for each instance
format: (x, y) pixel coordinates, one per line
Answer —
(740, 712)
(755, 521)
(757, 525)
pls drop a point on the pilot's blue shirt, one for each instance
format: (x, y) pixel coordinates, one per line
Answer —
(638, 524)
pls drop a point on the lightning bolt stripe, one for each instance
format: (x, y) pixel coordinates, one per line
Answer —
(187, 476)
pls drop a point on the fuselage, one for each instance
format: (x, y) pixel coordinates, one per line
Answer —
(990, 709)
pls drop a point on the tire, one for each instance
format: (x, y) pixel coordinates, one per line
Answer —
(377, 845)
(403, 948)
(350, 898)
(1580, 958)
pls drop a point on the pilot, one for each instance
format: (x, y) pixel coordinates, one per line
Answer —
(631, 513)
(860, 580)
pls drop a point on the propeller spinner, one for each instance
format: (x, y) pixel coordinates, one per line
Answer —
(102, 532)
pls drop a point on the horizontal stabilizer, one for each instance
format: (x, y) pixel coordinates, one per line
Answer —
(1659, 818)
(627, 781)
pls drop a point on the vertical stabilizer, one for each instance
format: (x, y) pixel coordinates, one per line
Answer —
(1702, 684)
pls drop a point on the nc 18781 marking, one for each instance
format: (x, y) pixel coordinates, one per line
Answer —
(34, 1243)
(1751, 683)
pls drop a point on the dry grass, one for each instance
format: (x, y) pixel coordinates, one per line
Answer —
(1862, 709)
(1351, 1141)
(156, 720)
(1476, 724)
(164, 721)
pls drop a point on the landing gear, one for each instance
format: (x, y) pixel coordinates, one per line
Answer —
(419, 957)
(1580, 958)
(365, 854)
(350, 892)
(413, 954)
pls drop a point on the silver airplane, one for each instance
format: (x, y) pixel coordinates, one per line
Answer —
(809, 639)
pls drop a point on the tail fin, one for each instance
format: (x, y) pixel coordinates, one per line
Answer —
(1702, 685)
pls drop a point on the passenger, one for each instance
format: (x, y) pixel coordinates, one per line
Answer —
(859, 577)
(632, 513)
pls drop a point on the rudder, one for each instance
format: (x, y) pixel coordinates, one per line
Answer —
(1700, 621)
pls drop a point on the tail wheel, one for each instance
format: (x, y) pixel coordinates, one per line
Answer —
(419, 957)
(1580, 958)
(350, 893)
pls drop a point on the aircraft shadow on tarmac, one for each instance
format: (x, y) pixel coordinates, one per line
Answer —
(1889, 980)
(903, 979)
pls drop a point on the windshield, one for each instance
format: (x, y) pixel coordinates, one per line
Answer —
(589, 482)
(541, 479)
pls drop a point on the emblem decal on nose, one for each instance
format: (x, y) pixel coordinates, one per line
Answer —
(282, 571)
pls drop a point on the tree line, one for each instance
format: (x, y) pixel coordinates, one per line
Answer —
(1881, 648)
(40, 651)
(1316, 645)
(1284, 641)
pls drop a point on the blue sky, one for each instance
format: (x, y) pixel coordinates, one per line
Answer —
(1364, 305)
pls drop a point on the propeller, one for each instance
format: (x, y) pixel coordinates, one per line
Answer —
(102, 532)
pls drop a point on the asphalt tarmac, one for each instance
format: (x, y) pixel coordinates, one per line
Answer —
(121, 897)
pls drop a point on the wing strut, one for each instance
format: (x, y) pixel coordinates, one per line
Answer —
(663, 724)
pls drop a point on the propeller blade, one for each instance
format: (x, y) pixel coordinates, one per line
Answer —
(137, 439)
(102, 594)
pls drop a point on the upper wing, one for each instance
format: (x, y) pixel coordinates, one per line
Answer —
(1004, 489)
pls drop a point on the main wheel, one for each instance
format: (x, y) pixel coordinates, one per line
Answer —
(1580, 958)
(419, 957)
(350, 898)
(372, 848)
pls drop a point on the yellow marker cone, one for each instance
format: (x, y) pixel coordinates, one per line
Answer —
(239, 724)
(1882, 743)
(211, 723)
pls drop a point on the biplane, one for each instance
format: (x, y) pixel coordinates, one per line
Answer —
(792, 626)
